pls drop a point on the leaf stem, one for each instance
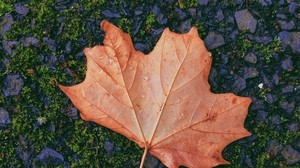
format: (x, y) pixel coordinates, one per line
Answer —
(144, 157)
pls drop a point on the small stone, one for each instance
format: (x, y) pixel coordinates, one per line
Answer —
(31, 41)
(4, 118)
(288, 107)
(219, 15)
(281, 16)
(286, 25)
(202, 2)
(6, 24)
(107, 13)
(275, 120)
(251, 58)
(13, 84)
(109, 148)
(158, 31)
(50, 43)
(239, 84)
(291, 39)
(68, 47)
(151, 162)
(293, 127)
(24, 151)
(180, 14)
(288, 89)
(248, 161)
(287, 64)
(185, 26)
(245, 21)
(192, 12)
(250, 72)
(20, 9)
(8, 46)
(265, 2)
(49, 156)
(290, 155)
(293, 6)
(262, 116)
(214, 40)
(271, 98)
(161, 19)
(141, 47)
(274, 147)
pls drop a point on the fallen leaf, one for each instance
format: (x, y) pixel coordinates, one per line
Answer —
(161, 101)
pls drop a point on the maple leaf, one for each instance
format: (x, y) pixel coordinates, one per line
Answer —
(161, 101)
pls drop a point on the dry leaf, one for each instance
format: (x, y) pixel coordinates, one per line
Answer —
(161, 101)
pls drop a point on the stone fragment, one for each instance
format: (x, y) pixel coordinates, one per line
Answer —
(6, 24)
(109, 148)
(250, 72)
(290, 155)
(284, 25)
(185, 26)
(13, 84)
(20, 9)
(4, 118)
(245, 21)
(274, 147)
(49, 156)
(214, 40)
(291, 39)
(109, 14)
(203, 2)
(28, 41)
(251, 58)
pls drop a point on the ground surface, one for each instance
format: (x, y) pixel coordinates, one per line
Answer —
(255, 46)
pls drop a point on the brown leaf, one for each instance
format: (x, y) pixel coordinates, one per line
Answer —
(161, 101)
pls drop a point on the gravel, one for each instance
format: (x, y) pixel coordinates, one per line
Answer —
(291, 155)
(291, 39)
(214, 40)
(13, 84)
(5, 25)
(245, 21)
(4, 118)
(274, 86)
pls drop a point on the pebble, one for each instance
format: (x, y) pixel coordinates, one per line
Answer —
(271, 98)
(287, 89)
(185, 26)
(9, 46)
(291, 39)
(274, 147)
(31, 41)
(261, 116)
(287, 64)
(293, 6)
(49, 156)
(24, 150)
(151, 162)
(250, 72)
(239, 84)
(214, 40)
(284, 25)
(50, 43)
(251, 58)
(203, 2)
(265, 2)
(245, 21)
(20, 9)
(13, 84)
(109, 14)
(288, 106)
(293, 127)
(219, 16)
(4, 118)
(109, 148)
(6, 24)
(290, 155)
